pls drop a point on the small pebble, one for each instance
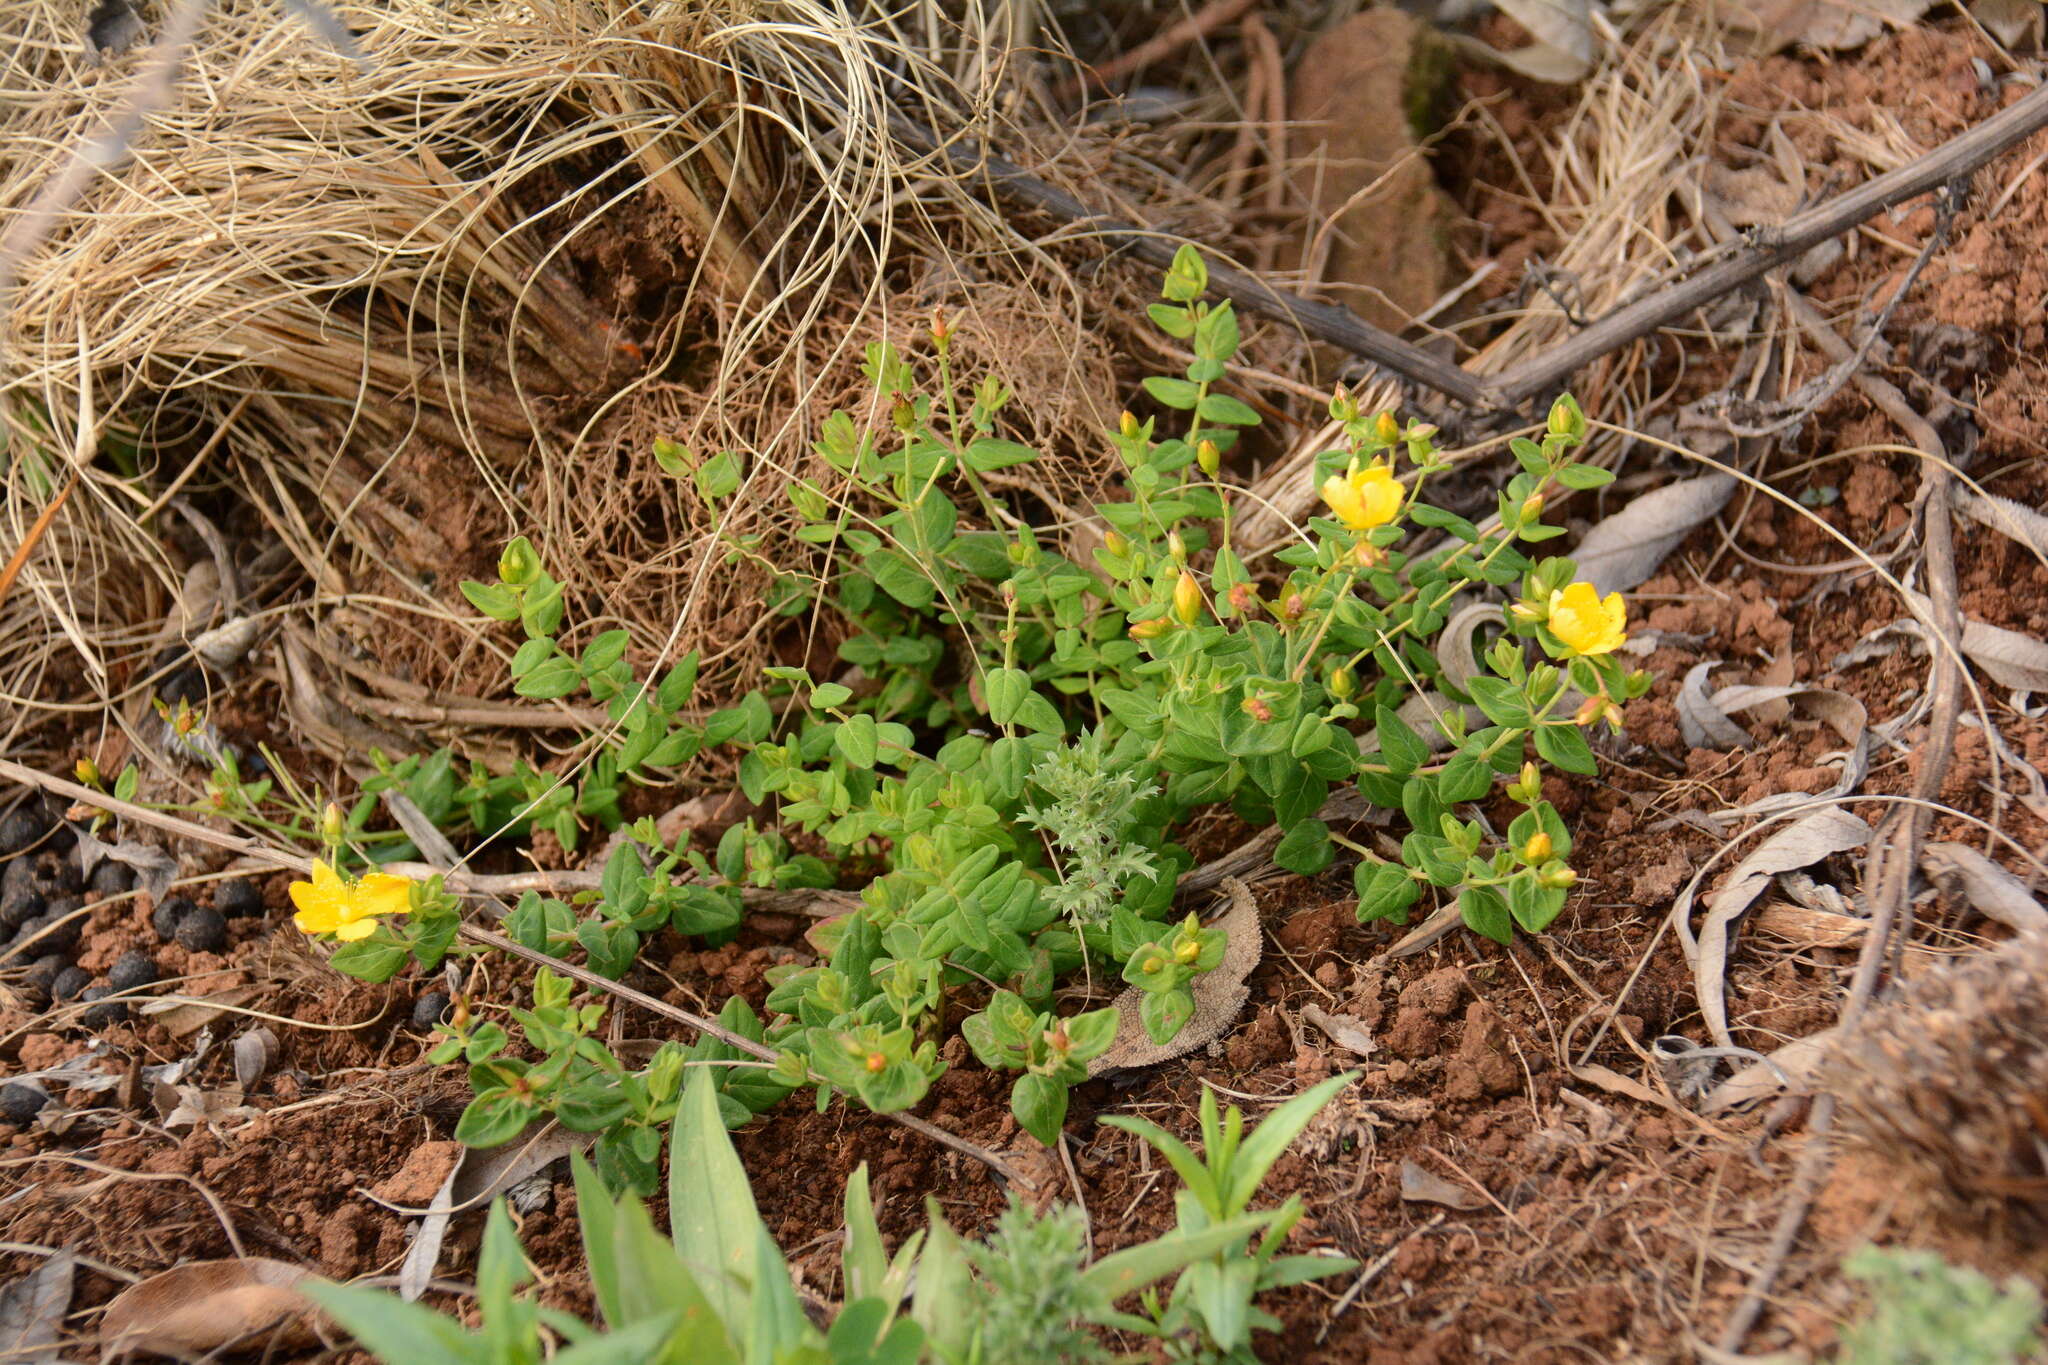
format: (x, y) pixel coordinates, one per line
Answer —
(111, 879)
(238, 899)
(106, 1011)
(69, 983)
(169, 915)
(428, 1009)
(19, 1104)
(25, 906)
(203, 930)
(131, 970)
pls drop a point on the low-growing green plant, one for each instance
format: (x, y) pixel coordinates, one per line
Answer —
(717, 1290)
(1924, 1311)
(1017, 737)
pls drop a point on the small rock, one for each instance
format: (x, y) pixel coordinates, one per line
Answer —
(24, 906)
(428, 1009)
(19, 1104)
(106, 1012)
(111, 879)
(238, 899)
(69, 983)
(203, 930)
(169, 916)
(133, 969)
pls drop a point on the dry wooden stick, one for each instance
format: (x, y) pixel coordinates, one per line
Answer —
(1194, 27)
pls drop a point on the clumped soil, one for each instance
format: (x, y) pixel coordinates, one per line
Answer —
(1600, 1227)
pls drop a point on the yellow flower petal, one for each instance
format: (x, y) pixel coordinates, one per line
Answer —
(356, 929)
(380, 893)
(348, 910)
(1586, 624)
(1364, 498)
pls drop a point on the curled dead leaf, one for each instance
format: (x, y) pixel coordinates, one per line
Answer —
(1219, 995)
(211, 1306)
(1345, 1030)
(1625, 549)
(1420, 1185)
(1994, 892)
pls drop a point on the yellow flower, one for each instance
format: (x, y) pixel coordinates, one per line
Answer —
(347, 910)
(1364, 498)
(1586, 623)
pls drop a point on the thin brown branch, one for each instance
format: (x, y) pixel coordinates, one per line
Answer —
(1193, 28)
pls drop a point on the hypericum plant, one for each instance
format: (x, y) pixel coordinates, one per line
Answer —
(1924, 1311)
(1016, 737)
(717, 1290)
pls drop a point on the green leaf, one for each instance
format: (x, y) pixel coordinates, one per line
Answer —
(825, 696)
(494, 1117)
(900, 578)
(498, 603)
(603, 651)
(1173, 393)
(1216, 335)
(712, 1216)
(944, 1301)
(557, 677)
(1502, 702)
(1467, 777)
(1040, 1104)
(855, 740)
(1221, 407)
(530, 656)
(374, 960)
(1400, 747)
(1305, 848)
(1583, 476)
(718, 477)
(1187, 279)
(1485, 913)
(1039, 715)
(988, 452)
(1385, 891)
(1127, 1271)
(1175, 322)
(1006, 688)
(391, 1328)
(1564, 747)
(1165, 1013)
(1198, 1178)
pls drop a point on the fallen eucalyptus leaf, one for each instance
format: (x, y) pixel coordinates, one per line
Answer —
(32, 1309)
(1219, 995)
(478, 1176)
(1420, 1185)
(1994, 892)
(1347, 1031)
(210, 1307)
(155, 869)
(1825, 832)
(1702, 724)
(2012, 22)
(1830, 25)
(1792, 1066)
(1624, 549)
(2007, 657)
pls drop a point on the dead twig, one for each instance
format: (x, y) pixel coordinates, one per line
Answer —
(1195, 27)
(1373, 1272)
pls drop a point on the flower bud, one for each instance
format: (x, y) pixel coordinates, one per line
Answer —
(1152, 965)
(1149, 630)
(330, 823)
(1532, 779)
(1590, 710)
(1385, 428)
(1209, 458)
(1537, 849)
(1343, 683)
(1117, 543)
(88, 772)
(1176, 547)
(1186, 953)
(1257, 709)
(1127, 425)
(941, 329)
(1526, 611)
(876, 1062)
(1187, 598)
(518, 565)
(1242, 598)
(1566, 419)
(1557, 877)
(903, 414)
(1532, 507)
(1292, 606)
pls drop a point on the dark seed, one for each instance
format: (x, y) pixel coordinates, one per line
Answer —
(19, 1104)
(131, 970)
(238, 899)
(111, 879)
(57, 874)
(69, 983)
(203, 930)
(428, 1009)
(43, 974)
(106, 1011)
(20, 828)
(25, 906)
(63, 932)
(169, 915)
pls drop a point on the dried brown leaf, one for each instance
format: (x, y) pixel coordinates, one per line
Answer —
(1996, 893)
(1347, 1031)
(32, 1309)
(1420, 1185)
(1624, 549)
(210, 1306)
